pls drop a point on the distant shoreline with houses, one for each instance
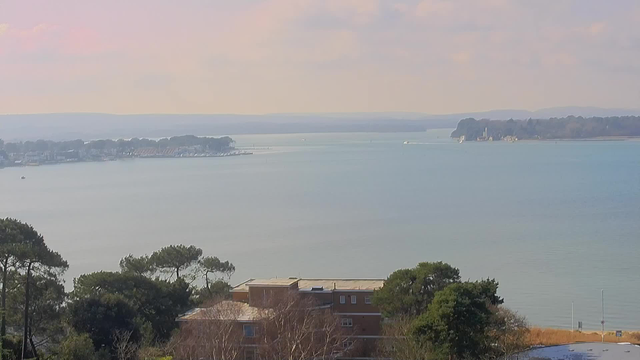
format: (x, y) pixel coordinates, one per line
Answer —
(41, 152)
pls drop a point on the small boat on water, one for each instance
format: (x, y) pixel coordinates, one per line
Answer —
(22, 177)
(407, 142)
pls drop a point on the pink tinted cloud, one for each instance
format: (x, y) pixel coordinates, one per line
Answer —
(429, 8)
(563, 59)
(358, 11)
(53, 39)
(269, 31)
(82, 41)
(462, 57)
(25, 40)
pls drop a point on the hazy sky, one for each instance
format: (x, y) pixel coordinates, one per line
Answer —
(235, 56)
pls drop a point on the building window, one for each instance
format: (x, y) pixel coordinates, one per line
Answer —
(347, 322)
(353, 299)
(367, 300)
(249, 354)
(347, 344)
(249, 330)
(343, 299)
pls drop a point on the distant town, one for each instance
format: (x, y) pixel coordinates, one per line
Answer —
(42, 152)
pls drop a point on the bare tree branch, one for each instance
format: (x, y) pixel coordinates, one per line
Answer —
(294, 328)
(125, 349)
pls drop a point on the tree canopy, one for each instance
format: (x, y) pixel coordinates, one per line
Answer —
(176, 258)
(9, 240)
(26, 258)
(155, 302)
(570, 127)
(436, 316)
(408, 292)
(137, 265)
(211, 265)
(100, 316)
(46, 307)
(458, 321)
(76, 347)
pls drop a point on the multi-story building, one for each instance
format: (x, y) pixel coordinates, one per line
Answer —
(349, 299)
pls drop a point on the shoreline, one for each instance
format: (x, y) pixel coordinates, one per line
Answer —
(126, 158)
(540, 336)
(594, 139)
(600, 138)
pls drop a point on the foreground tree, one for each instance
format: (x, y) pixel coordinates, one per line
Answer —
(156, 303)
(175, 258)
(408, 292)
(216, 291)
(212, 269)
(216, 274)
(124, 345)
(137, 265)
(508, 332)
(10, 238)
(6, 240)
(100, 317)
(398, 343)
(46, 320)
(457, 323)
(76, 347)
(33, 256)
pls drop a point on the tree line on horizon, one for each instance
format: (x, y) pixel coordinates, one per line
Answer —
(131, 314)
(570, 127)
(121, 145)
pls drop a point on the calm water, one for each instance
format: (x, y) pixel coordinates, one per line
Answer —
(553, 222)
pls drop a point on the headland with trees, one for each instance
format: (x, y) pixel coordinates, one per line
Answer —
(570, 127)
(42, 152)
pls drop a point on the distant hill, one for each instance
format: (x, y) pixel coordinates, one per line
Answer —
(104, 126)
(570, 127)
(69, 126)
(556, 112)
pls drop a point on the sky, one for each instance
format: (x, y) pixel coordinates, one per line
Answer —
(276, 56)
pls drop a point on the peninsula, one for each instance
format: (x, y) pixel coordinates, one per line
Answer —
(41, 152)
(570, 127)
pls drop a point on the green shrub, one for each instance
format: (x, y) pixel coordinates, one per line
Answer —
(77, 347)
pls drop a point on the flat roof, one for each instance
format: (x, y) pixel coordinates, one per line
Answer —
(276, 282)
(273, 282)
(341, 284)
(307, 284)
(242, 287)
(226, 310)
